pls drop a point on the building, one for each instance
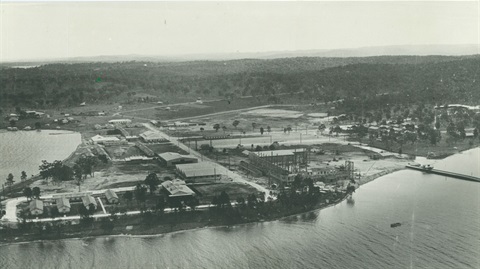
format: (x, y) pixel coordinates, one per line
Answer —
(177, 188)
(36, 207)
(111, 196)
(120, 121)
(151, 136)
(63, 204)
(288, 159)
(146, 150)
(88, 200)
(138, 159)
(172, 158)
(98, 139)
(198, 172)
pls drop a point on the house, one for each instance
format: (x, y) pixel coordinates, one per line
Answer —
(36, 207)
(177, 188)
(120, 121)
(201, 172)
(172, 158)
(111, 196)
(63, 204)
(88, 200)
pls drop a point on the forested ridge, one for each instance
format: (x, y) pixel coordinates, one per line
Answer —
(435, 79)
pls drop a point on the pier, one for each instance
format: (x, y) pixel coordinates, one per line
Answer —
(444, 173)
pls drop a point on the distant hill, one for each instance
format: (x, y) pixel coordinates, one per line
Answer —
(399, 50)
(414, 78)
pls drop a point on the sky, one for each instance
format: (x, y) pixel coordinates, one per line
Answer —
(50, 30)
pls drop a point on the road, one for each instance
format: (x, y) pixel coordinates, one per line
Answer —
(219, 168)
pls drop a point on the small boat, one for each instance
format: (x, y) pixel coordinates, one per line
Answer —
(396, 224)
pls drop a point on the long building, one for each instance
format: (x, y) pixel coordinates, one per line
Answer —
(173, 158)
(201, 172)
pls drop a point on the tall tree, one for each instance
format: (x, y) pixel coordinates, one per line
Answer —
(140, 193)
(216, 126)
(152, 181)
(23, 177)
(235, 123)
(10, 179)
(28, 192)
(36, 192)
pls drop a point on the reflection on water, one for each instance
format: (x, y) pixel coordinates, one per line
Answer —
(25, 150)
(440, 229)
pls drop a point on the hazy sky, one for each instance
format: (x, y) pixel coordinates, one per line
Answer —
(59, 29)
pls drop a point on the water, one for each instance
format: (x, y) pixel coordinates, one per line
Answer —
(25, 150)
(440, 229)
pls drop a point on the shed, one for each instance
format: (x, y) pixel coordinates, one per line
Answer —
(111, 196)
(63, 204)
(36, 207)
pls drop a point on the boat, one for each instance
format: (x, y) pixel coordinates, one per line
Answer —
(396, 224)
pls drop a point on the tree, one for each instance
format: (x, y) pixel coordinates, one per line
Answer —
(28, 192)
(269, 129)
(216, 126)
(224, 128)
(38, 125)
(77, 174)
(87, 163)
(23, 177)
(192, 203)
(161, 204)
(140, 193)
(261, 130)
(152, 181)
(10, 179)
(253, 126)
(36, 192)
(224, 200)
(235, 123)
(202, 129)
(128, 195)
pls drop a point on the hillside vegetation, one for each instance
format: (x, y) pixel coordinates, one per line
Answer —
(433, 79)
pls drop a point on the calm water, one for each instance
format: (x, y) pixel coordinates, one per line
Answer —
(440, 229)
(25, 150)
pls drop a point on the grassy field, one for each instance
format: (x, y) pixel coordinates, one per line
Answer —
(190, 110)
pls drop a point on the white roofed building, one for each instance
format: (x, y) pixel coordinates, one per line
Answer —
(177, 188)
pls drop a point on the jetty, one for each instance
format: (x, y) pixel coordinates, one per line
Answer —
(431, 170)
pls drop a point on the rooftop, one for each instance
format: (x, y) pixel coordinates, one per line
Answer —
(151, 135)
(62, 201)
(177, 187)
(99, 138)
(197, 169)
(282, 152)
(170, 156)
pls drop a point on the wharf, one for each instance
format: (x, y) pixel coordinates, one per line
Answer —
(444, 173)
